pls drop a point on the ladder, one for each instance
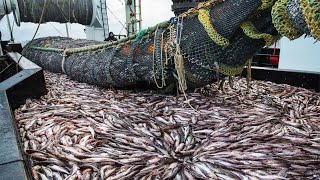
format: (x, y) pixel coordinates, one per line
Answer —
(104, 18)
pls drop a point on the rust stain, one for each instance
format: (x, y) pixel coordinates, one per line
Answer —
(125, 50)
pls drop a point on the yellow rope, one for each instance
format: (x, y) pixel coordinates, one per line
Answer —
(251, 32)
(230, 71)
(265, 4)
(204, 18)
(281, 21)
(311, 13)
(194, 11)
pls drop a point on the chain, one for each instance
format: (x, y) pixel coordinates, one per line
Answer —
(153, 62)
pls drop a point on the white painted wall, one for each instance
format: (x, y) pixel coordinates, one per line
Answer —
(93, 33)
(300, 54)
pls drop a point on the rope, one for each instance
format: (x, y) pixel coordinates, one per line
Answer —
(56, 50)
(182, 83)
(61, 11)
(204, 18)
(249, 29)
(73, 11)
(103, 46)
(63, 61)
(117, 18)
(178, 58)
(266, 4)
(179, 65)
(82, 49)
(56, 29)
(163, 83)
(169, 46)
(195, 11)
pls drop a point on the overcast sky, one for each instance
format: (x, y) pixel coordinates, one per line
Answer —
(153, 12)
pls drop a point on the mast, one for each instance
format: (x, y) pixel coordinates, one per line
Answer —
(133, 16)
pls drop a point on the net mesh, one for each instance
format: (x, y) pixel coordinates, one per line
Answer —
(226, 17)
(295, 14)
(311, 13)
(187, 46)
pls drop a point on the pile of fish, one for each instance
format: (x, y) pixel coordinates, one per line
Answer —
(78, 131)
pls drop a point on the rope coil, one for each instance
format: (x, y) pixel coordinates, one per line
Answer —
(62, 11)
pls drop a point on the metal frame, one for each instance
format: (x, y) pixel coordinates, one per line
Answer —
(7, 6)
(304, 79)
(27, 83)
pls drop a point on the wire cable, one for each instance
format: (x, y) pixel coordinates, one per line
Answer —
(121, 2)
(117, 18)
(56, 29)
(28, 46)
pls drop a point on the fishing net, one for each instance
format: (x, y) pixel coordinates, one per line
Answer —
(180, 6)
(63, 11)
(311, 13)
(296, 16)
(200, 46)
